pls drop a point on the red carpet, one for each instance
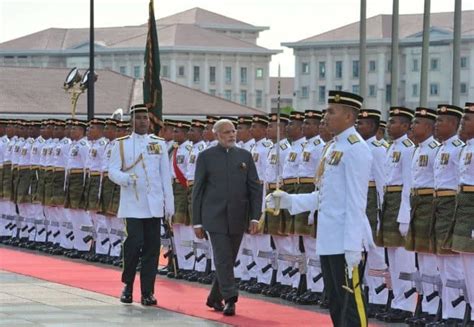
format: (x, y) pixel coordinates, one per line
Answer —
(171, 295)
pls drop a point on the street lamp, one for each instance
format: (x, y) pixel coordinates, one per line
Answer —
(75, 85)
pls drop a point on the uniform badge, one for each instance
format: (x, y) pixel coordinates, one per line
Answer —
(10, 148)
(396, 156)
(93, 153)
(467, 158)
(335, 158)
(24, 151)
(17, 148)
(423, 160)
(255, 157)
(292, 157)
(74, 152)
(35, 151)
(306, 156)
(192, 158)
(44, 152)
(109, 153)
(243, 166)
(58, 151)
(153, 148)
(180, 159)
(444, 158)
(273, 159)
(50, 151)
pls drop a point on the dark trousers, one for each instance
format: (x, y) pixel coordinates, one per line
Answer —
(226, 248)
(143, 240)
(346, 308)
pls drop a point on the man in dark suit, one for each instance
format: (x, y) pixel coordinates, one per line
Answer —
(226, 195)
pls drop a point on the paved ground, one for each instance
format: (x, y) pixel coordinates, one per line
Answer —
(26, 301)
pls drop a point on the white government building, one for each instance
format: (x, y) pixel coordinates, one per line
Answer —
(198, 48)
(331, 61)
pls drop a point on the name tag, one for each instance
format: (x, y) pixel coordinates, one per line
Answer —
(153, 148)
(335, 158)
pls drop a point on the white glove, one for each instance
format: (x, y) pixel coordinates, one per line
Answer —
(353, 259)
(403, 228)
(285, 199)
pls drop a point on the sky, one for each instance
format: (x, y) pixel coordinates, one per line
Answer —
(288, 20)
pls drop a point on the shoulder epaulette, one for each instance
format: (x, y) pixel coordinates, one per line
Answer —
(267, 144)
(434, 144)
(31, 141)
(317, 142)
(376, 143)
(457, 143)
(283, 146)
(83, 143)
(385, 144)
(189, 147)
(353, 139)
(122, 138)
(200, 147)
(102, 142)
(408, 143)
(153, 136)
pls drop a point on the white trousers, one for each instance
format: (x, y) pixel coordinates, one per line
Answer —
(401, 260)
(375, 261)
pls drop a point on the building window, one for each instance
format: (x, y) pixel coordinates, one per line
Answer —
(164, 71)
(259, 73)
(414, 90)
(304, 92)
(228, 94)
(212, 74)
(123, 70)
(136, 71)
(322, 69)
(305, 68)
(338, 87)
(434, 64)
(181, 71)
(355, 88)
(338, 69)
(415, 66)
(243, 97)
(322, 94)
(434, 89)
(258, 98)
(463, 62)
(388, 93)
(463, 88)
(243, 75)
(212, 92)
(372, 66)
(228, 75)
(196, 74)
(355, 69)
(372, 91)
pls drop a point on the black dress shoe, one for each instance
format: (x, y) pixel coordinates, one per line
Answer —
(229, 309)
(148, 300)
(216, 305)
(127, 294)
(397, 315)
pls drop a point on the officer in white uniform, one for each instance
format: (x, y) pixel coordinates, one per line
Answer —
(140, 165)
(343, 230)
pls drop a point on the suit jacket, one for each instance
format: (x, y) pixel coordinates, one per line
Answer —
(226, 192)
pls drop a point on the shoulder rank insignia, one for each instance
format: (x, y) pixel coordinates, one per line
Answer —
(376, 143)
(189, 147)
(408, 143)
(83, 143)
(317, 142)
(41, 140)
(65, 141)
(153, 136)
(353, 139)
(102, 142)
(457, 143)
(267, 144)
(201, 147)
(283, 146)
(123, 138)
(434, 144)
(31, 141)
(386, 145)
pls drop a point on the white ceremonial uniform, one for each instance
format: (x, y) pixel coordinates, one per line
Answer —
(309, 161)
(77, 160)
(51, 217)
(398, 172)
(261, 242)
(423, 177)
(212, 143)
(41, 235)
(4, 205)
(197, 148)
(24, 163)
(15, 158)
(274, 173)
(181, 232)
(150, 194)
(446, 177)
(466, 177)
(94, 166)
(376, 256)
(36, 209)
(10, 209)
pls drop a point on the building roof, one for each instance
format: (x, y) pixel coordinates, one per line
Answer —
(380, 27)
(208, 19)
(286, 86)
(27, 90)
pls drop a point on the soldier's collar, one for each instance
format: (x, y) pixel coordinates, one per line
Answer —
(426, 142)
(345, 134)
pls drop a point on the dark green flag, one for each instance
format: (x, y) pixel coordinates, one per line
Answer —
(152, 90)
